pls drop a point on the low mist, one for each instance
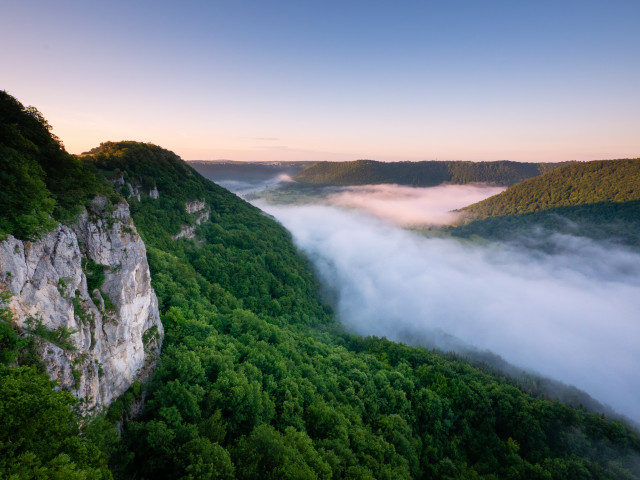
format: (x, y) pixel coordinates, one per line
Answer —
(244, 186)
(408, 206)
(573, 315)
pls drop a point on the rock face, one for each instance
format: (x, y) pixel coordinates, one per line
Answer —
(94, 343)
(195, 206)
(186, 231)
(132, 191)
(119, 183)
(200, 213)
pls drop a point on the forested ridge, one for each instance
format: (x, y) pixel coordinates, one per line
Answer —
(599, 199)
(40, 182)
(257, 380)
(421, 174)
(248, 171)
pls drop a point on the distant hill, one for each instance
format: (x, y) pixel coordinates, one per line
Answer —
(224, 170)
(599, 199)
(421, 174)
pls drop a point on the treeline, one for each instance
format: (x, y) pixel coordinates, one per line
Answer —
(421, 174)
(588, 183)
(599, 199)
(246, 171)
(41, 183)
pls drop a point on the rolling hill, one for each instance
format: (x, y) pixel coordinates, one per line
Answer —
(221, 170)
(420, 174)
(598, 199)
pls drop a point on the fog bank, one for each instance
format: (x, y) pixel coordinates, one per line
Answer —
(408, 206)
(573, 316)
(245, 186)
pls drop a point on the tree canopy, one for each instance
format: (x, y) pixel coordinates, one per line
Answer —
(41, 182)
(420, 174)
(599, 199)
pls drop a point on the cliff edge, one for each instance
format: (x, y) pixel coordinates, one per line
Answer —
(84, 291)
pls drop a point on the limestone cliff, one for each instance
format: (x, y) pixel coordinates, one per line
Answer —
(94, 341)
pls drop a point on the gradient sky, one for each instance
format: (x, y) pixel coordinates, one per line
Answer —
(333, 80)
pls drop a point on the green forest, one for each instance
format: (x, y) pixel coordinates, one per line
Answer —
(257, 379)
(598, 199)
(421, 174)
(41, 182)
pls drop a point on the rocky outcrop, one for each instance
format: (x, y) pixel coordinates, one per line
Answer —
(186, 231)
(199, 212)
(202, 217)
(125, 188)
(94, 341)
(132, 191)
(195, 206)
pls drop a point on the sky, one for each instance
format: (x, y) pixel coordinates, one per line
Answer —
(332, 80)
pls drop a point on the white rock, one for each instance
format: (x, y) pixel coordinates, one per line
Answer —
(46, 277)
(195, 206)
(186, 231)
(133, 192)
(200, 214)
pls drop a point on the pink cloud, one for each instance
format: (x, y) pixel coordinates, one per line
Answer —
(409, 206)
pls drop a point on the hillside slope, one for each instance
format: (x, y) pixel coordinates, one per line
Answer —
(599, 199)
(420, 174)
(257, 380)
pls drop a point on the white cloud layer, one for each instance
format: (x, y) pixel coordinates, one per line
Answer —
(408, 206)
(243, 187)
(573, 315)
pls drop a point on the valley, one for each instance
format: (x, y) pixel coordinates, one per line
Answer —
(536, 299)
(330, 240)
(279, 346)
